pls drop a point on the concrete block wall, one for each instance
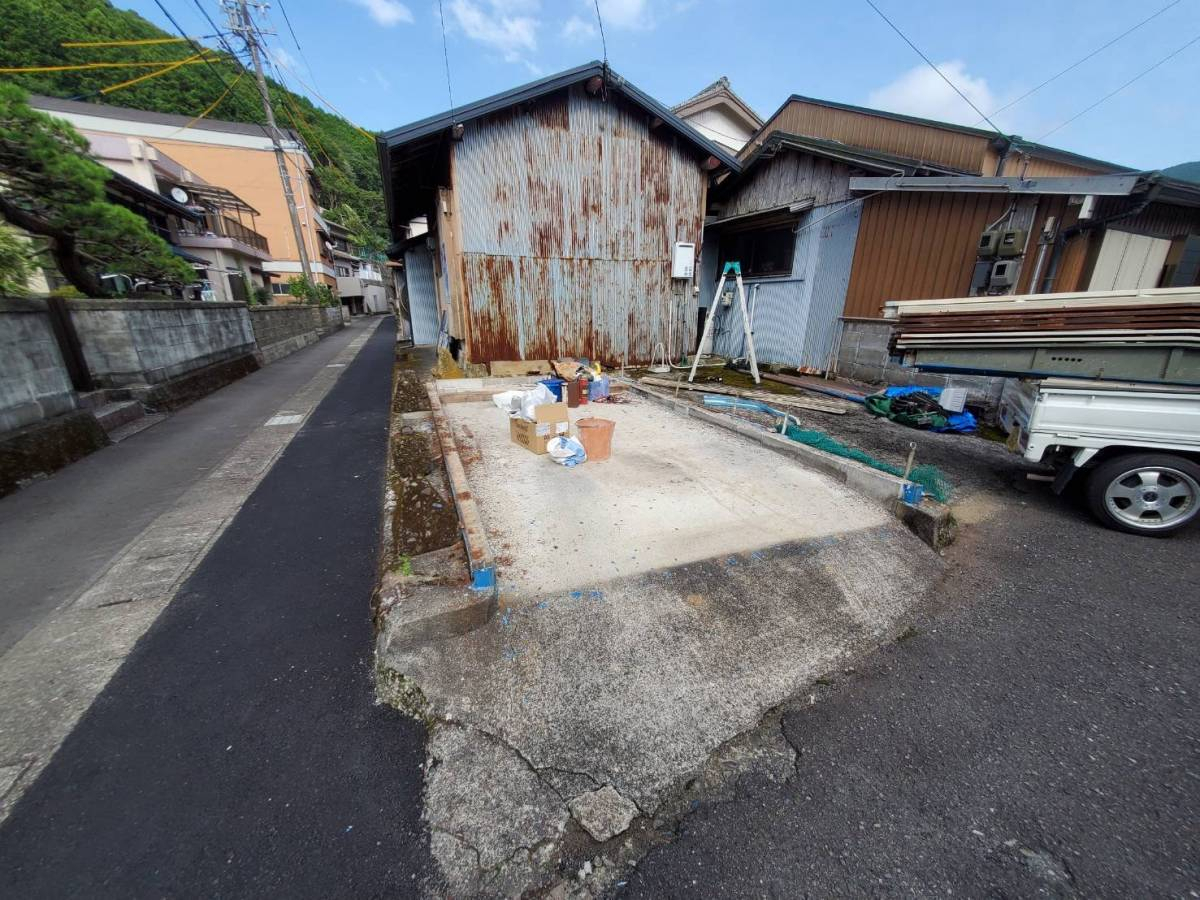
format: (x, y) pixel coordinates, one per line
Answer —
(131, 342)
(863, 356)
(280, 330)
(34, 384)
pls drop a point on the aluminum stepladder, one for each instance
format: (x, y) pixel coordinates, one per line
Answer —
(706, 338)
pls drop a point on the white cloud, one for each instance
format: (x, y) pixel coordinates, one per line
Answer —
(576, 29)
(920, 92)
(507, 26)
(631, 14)
(386, 12)
(382, 80)
(284, 58)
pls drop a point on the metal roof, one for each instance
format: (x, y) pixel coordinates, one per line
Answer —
(397, 137)
(860, 156)
(118, 183)
(1167, 190)
(105, 111)
(1041, 150)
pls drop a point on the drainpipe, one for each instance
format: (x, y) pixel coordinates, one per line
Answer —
(1066, 234)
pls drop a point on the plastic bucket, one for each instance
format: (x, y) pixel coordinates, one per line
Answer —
(555, 385)
(596, 437)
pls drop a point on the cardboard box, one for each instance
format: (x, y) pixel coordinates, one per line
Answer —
(551, 422)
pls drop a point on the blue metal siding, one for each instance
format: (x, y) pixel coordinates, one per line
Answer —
(422, 295)
(795, 318)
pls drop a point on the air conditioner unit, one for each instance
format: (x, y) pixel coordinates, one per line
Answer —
(1004, 274)
(1012, 242)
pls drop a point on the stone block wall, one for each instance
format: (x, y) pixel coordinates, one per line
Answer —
(136, 342)
(34, 384)
(280, 330)
(863, 356)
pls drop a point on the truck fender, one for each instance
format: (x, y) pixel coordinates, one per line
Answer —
(1079, 459)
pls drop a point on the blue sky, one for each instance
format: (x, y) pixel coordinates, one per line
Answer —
(380, 61)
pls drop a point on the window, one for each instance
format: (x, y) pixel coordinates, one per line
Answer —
(762, 251)
(279, 287)
(343, 271)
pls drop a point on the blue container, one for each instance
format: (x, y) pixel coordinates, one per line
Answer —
(913, 493)
(555, 385)
(599, 388)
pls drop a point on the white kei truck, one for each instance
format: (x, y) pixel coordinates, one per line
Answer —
(1137, 446)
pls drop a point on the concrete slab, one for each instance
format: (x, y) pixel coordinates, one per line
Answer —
(675, 490)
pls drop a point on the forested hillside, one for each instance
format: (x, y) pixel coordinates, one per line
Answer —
(34, 31)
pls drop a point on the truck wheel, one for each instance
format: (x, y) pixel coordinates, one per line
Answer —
(1145, 493)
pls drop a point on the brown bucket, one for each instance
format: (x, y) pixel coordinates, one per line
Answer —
(596, 437)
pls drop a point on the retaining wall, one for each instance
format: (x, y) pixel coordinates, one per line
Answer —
(280, 330)
(148, 342)
(34, 384)
(863, 355)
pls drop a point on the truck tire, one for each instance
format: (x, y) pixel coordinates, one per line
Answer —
(1145, 493)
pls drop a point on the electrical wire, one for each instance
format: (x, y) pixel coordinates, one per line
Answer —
(446, 58)
(1111, 94)
(603, 41)
(208, 108)
(141, 64)
(1080, 62)
(266, 50)
(138, 43)
(296, 40)
(148, 76)
(929, 63)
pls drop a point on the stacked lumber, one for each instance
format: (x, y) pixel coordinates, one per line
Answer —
(1101, 319)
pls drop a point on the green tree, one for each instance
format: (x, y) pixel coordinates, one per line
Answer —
(14, 263)
(51, 188)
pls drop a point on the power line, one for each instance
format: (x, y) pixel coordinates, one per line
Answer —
(136, 43)
(1111, 94)
(138, 64)
(446, 57)
(600, 22)
(1080, 62)
(296, 40)
(929, 62)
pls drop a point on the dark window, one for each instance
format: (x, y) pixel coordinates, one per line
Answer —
(761, 251)
(279, 287)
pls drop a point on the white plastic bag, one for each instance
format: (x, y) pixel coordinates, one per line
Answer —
(566, 451)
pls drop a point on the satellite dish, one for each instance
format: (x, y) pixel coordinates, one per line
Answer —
(179, 195)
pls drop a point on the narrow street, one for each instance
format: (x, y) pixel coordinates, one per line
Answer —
(238, 751)
(1035, 735)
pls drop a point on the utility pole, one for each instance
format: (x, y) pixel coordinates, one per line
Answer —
(240, 22)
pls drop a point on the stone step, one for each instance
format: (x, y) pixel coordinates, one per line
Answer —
(129, 429)
(112, 416)
(94, 400)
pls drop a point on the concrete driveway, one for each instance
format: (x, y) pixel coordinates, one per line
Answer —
(653, 607)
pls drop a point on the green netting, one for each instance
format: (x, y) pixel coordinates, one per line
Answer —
(929, 477)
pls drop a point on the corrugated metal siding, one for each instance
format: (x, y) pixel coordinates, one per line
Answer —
(422, 295)
(922, 142)
(916, 246)
(569, 209)
(789, 177)
(796, 319)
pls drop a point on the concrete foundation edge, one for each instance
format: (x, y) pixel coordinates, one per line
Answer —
(46, 447)
(931, 522)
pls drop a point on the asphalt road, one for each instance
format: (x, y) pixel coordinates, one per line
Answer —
(238, 752)
(61, 532)
(1038, 735)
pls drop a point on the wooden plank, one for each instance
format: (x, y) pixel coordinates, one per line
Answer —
(519, 367)
(835, 407)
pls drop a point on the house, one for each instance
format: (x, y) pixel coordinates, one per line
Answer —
(360, 280)
(553, 213)
(720, 115)
(839, 209)
(238, 157)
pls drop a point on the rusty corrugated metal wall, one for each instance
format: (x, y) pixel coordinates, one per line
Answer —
(916, 246)
(569, 209)
(861, 129)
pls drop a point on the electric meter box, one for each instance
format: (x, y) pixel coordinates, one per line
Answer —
(1012, 242)
(1004, 274)
(683, 260)
(988, 241)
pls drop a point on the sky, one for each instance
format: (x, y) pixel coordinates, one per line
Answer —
(381, 64)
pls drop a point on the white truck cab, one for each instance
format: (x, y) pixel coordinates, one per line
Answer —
(1137, 445)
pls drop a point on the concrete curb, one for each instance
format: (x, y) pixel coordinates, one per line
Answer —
(930, 521)
(479, 552)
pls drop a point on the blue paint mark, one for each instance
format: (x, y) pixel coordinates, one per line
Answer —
(484, 579)
(598, 596)
(758, 554)
(732, 561)
(506, 618)
(545, 604)
(576, 595)
(511, 654)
